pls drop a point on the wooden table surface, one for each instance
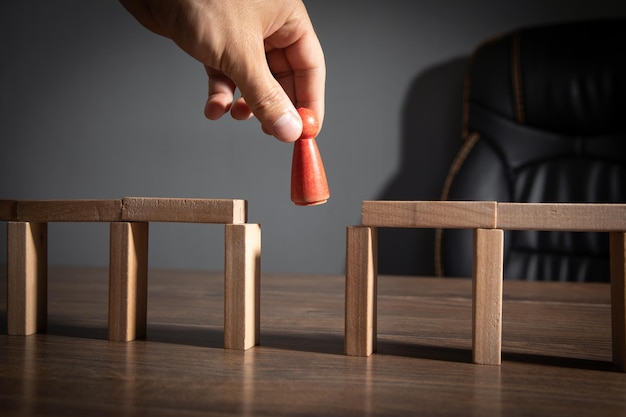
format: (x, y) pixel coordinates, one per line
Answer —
(556, 352)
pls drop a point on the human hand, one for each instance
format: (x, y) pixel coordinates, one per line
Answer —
(267, 49)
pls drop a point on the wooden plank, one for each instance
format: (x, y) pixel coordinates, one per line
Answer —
(8, 210)
(242, 281)
(184, 210)
(582, 217)
(430, 214)
(618, 298)
(361, 291)
(46, 211)
(487, 296)
(128, 281)
(27, 259)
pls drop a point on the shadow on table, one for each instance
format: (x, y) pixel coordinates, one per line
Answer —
(410, 350)
(62, 328)
(326, 343)
(186, 335)
(178, 335)
(560, 362)
(448, 354)
(314, 342)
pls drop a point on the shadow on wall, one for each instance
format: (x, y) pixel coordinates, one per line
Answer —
(431, 136)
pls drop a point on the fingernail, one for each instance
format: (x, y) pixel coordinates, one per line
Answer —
(288, 127)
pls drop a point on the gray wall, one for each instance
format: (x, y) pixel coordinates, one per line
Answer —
(95, 106)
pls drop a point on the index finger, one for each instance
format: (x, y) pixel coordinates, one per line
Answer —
(300, 69)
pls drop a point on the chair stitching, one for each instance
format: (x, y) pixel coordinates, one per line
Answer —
(516, 74)
(467, 82)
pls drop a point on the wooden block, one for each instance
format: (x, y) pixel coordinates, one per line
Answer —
(8, 210)
(184, 210)
(487, 294)
(582, 217)
(128, 281)
(618, 298)
(27, 259)
(430, 214)
(361, 290)
(242, 280)
(46, 211)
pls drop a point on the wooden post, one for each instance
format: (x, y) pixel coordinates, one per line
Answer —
(361, 290)
(618, 298)
(242, 277)
(27, 259)
(128, 280)
(487, 296)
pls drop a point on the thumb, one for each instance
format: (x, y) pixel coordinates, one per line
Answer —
(271, 105)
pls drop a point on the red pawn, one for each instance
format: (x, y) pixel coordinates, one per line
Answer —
(308, 178)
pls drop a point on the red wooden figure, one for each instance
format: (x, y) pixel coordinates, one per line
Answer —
(308, 178)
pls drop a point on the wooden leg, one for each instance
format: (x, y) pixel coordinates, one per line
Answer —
(487, 292)
(618, 298)
(128, 280)
(361, 290)
(27, 293)
(242, 278)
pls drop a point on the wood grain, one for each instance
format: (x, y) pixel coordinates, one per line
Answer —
(27, 265)
(139, 209)
(242, 274)
(128, 280)
(361, 290)
(556, 352)
(184, 210)
(8, 210)
(585, 217)
(618, 297)
(69, 210)
(487, 293)
(429, 214)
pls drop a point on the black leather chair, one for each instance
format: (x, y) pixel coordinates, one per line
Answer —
(544, 121)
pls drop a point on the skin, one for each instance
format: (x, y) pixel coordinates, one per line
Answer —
(267, 49)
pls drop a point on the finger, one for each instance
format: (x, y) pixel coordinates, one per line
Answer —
(221, 94)
(300, 69)
(309, 74)
(282, 71)
(240, 110)
(268, 101)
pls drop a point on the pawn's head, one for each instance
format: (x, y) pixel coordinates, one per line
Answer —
(310, 124)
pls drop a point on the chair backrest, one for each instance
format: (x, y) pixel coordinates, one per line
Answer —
(544, 121)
